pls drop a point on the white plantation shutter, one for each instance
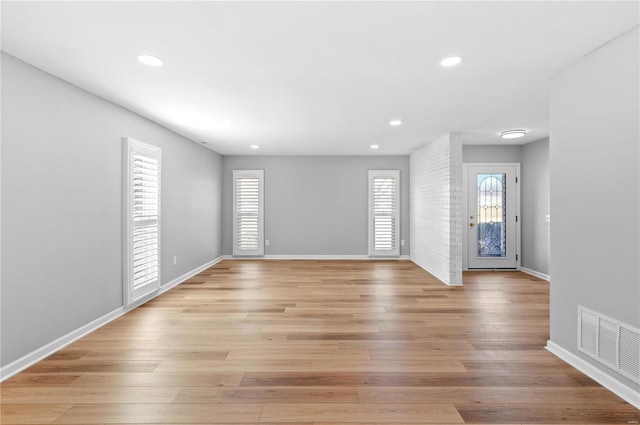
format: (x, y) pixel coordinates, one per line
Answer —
(142, 219)
(384, 187)
(248, 212)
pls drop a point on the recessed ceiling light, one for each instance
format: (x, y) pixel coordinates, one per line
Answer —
(452, 61)
(150, 60)
(374, 146)
(395, 123)
(255, 147)
(513, 134)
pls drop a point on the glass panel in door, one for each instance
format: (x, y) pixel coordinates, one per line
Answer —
(492, 234)
(491, 223)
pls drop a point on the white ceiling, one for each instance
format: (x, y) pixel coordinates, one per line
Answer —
(318, 78)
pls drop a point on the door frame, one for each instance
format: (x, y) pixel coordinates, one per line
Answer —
(465, 209)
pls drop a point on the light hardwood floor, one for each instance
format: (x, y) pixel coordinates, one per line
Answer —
(319, 342)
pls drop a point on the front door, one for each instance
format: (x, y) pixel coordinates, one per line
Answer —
(492, 216)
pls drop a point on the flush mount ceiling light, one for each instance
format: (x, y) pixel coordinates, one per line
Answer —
(150, 60)
(513, 134)
(374, 146)
(255, 147)
(451, 61)
(395, 123)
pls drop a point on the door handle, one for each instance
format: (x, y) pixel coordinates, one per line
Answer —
(472, 224)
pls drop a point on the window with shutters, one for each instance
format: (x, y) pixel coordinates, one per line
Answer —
(142, 211)
(248, 212)
(384, 189)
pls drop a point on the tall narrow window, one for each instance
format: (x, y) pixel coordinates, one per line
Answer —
(248, 212)
(142, 204)
(384, 187)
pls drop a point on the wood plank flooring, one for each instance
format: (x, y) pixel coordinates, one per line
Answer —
(319, 342)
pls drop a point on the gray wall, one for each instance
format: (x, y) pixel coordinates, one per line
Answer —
(535, 205)
(594, 166)
(62, 205)
(491, 153)
(534, 194)
(315, 205)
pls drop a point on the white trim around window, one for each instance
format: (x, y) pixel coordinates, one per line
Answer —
(248, 213)
(141, 220)
(384, 213)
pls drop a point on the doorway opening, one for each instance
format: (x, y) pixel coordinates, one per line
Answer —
(491, 216)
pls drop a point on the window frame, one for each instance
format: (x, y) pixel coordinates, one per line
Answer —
(130, 293)
(259, 252)
(395, 252)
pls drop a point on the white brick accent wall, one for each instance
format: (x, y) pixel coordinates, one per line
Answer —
(435, 204)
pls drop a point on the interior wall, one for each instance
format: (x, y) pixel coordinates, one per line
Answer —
(315, 205)
(436, 208)
(535, 206)
(62, 177)
(533, 158)
(491, 153)
(594, 166)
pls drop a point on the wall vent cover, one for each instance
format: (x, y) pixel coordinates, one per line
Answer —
(609, 341)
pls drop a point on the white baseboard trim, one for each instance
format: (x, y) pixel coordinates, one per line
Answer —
(620, 389)
(316, 257)
(177, 281)
(536, 274)
(35, 356)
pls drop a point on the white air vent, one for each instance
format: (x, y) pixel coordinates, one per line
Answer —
(589, 333)
(612, 343)
(607, 340)
(629, 353)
